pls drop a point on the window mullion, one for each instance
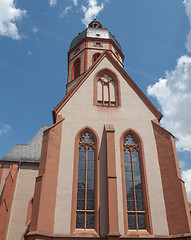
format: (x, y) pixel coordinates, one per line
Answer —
(109, 93)
(85, 215)
(102, 92)
(115, 92)
(135, 205)
(85, 189)
(78, 70)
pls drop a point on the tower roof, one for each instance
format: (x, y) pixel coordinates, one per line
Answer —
(95, 24)
(94, 30)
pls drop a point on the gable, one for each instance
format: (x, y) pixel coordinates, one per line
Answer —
(79, 112)
(106, 61)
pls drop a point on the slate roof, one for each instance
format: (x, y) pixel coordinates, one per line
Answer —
(99, 33)
(30, 152)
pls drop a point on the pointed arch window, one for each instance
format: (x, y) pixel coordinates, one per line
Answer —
(134, 184)
(95, 57)
(86, 198)
(107, 89)
(76, 69)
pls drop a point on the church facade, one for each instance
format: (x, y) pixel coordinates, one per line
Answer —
(106, 168)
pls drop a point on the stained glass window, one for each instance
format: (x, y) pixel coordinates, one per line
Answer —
(134, 194)
(85, 211)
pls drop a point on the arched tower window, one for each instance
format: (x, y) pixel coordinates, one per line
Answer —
(95, 57)
(86, 182)
(134, 184)
(106, 89)
(95, 24)
(76, 69)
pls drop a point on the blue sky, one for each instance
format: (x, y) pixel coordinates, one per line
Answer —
(34, 40)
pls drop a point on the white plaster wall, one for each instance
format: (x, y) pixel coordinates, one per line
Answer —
(4, 175)
(118, 59)
(73, 83)
(81, 56)
(82, 46)
(105, 44)
(91, 52)
(115, 50)
(24, 191)
(80, 112)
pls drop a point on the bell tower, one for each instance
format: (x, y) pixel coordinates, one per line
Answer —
(86, 48)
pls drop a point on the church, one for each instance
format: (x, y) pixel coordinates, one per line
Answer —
(105, 169)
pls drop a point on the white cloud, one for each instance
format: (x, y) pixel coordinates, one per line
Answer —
(187, 4)
(186, 176)
(29, 52)
(65, 11)
(174, 95)
(91, 11)
(4, 128)
(9, 14)
(188, 42)
(75, 2)
(52, 2)
(182, 165)
(35, 30)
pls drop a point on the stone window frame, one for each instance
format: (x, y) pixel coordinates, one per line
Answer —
(95, 56)
(116, 87)
(76, 68)
(74, 230)
(147, 209)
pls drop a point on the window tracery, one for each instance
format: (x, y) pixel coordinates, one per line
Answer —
(85, 211)
(135, 191)
(106, 91)
(134, 195)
